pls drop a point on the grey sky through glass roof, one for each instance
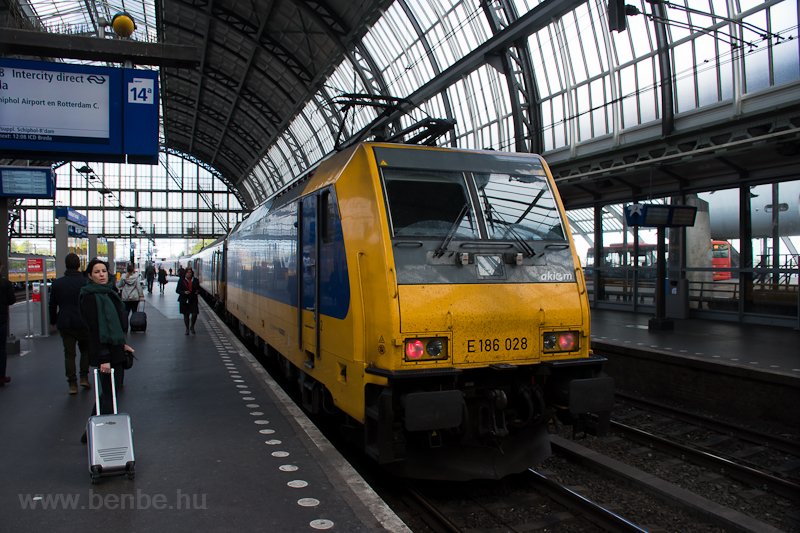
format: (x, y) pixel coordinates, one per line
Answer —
(75, 17)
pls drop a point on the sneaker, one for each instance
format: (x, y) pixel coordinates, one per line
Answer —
(85, 383)
(4, 380)
(194, 332)
(73, 388)
(187, 332)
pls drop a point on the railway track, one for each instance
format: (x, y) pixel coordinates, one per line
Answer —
(782, 439)
(758, 459)
(689, 455)
(527, 502)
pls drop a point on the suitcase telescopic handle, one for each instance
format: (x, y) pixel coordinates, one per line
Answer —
(97, 392)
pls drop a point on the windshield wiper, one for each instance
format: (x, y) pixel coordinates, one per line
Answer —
(527, 250)
(440, 251)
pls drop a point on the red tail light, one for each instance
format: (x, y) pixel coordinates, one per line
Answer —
(415, 349)
(567, 341)
(560, 341)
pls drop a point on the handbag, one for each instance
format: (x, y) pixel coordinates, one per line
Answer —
(128, 363)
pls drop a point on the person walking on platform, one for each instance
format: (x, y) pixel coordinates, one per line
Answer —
(130, 291)
(150, 277)
(7, 297)
(104, 314)
(65, 313)
(188, 288)
(162, 278)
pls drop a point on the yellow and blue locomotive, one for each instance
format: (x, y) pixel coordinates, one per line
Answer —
(431, 295)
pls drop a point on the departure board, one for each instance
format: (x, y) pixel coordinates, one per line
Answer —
(27, 182)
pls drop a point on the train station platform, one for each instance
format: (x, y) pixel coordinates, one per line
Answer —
(218, 445)
(769, 349)
(744, 370)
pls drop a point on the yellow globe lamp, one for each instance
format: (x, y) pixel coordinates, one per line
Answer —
(123, 24)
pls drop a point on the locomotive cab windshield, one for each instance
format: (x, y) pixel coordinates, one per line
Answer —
(489, 212)
(492, 206)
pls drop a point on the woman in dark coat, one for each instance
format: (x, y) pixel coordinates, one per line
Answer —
(188, 289)
(105, 316)
(162, 278)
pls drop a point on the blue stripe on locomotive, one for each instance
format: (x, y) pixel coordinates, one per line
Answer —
(262, 257)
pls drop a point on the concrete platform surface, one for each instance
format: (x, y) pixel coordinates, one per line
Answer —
(218, 445)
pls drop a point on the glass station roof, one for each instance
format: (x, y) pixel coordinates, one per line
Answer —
(570, 79)
(81, 17)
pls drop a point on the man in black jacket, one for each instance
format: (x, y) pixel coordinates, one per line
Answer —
(65, 313)
(7, 297)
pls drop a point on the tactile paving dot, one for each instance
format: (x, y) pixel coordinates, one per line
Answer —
(298, 484)
(252, 405)
(321, 523)
(257, 413)
(272, 442)
(280, 454)
(261, 422)
(288, 468)
(267, 431)
(308, 502)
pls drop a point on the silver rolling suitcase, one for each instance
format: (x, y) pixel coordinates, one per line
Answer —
(109, 439)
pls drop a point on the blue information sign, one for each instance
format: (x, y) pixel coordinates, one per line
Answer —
(660, 215)
(84, 112)
(72, 216)
(140, 115)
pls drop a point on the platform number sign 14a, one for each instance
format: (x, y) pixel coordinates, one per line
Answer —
(140, 91)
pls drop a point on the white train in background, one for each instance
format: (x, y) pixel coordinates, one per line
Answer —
(724, 211)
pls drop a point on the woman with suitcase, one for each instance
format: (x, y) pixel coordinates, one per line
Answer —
(107, 320)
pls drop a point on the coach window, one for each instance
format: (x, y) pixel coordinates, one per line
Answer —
(329, 216)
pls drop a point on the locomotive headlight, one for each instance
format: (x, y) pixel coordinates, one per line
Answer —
(560, 341)
(435, 347)
(426, 349)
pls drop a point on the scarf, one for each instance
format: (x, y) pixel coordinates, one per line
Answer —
(107, 317)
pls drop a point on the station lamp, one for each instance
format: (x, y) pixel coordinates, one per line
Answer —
(123, 24)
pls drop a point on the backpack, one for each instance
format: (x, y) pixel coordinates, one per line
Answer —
(130, 291)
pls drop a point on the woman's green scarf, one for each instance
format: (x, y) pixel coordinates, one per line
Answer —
(107, 317)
